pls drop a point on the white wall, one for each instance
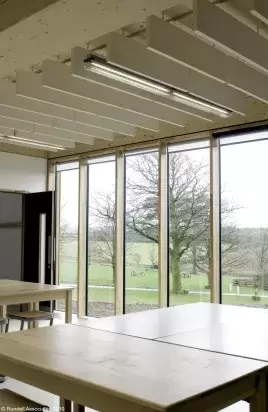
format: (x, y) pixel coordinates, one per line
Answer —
(19, 172)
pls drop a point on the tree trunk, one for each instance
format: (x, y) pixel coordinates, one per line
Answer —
(194, 268)
(176, 271)
(114, 273)
(208, 275)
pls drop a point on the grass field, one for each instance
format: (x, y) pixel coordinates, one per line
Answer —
(146, 278)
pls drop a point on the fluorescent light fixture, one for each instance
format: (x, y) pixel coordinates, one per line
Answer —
(122, 76)
(34, 143)
(98, 66)
(200, 104)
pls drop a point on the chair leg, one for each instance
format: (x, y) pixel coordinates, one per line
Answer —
(29, 325)
(22, 325)
(7, 326)
(51, 322)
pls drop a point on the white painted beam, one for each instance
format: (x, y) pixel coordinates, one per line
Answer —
(27, 144)
(259, 9)
(129, 54)
(9, 98)
(78, 70)
(83, 129)
(11, 103)
(69, 125)
(169, 41)
(46, 130)
(30, 85)
(6, 130)
(44, 139)
(63, 134)
(104, 123)
(229, 34)
(58, 76)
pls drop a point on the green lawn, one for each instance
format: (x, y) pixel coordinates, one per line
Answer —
(141, 276)
(103, 276)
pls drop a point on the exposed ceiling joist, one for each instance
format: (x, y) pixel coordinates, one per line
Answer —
(58, 76)
(55, 97)
(44, 139)
(169, 41)
(259, 9)
(63, 134)
(129, 54)
(29, 139)
(104, 123)
(68, 23)
(69, 125)
(9, 131)
(44, 146)
(46, 130)
(229, 34)
(242, 10)
(11, 103)
(78, 70)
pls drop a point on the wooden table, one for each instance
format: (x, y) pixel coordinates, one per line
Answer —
(14, 292)
(156, 323)
(111, 372)
(249, 342)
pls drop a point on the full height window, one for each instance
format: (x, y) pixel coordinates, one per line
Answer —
(141, 231)
(101, 237)
(244, 219)
(189, 222)
(67, 190)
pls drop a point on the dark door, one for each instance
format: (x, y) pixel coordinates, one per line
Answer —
(37, 235)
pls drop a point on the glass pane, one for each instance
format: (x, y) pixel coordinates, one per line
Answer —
(68, 253)
(62, 167)
(101, 238)
(244, 224)
(141, 232)
(189, 217)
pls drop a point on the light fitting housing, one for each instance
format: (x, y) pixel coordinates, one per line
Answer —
(34, 143)
(100, 66)
(128, 78)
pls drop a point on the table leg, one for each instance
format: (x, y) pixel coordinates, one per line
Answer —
(258, 401)
(3, 313)
(78, 408)
(36, 307)
(65, 405)
(68, 306)
(30, 307)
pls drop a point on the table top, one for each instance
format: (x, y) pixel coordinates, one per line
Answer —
(249, 342)
(15, 287)
(157, 323)
(143, 372)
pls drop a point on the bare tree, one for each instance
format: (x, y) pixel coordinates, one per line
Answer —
(189, 214)
(137, 258)
(259, 257)
(102, 238)
(64, 229)
(189, 209)
(153, 256)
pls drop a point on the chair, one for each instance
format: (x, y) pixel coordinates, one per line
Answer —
(30, 316)
(9, 399)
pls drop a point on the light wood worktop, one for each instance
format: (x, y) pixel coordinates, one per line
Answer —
(113, 372)
(176, 319)
(11, 287)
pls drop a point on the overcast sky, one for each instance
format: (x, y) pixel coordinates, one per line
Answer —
(244, 173)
